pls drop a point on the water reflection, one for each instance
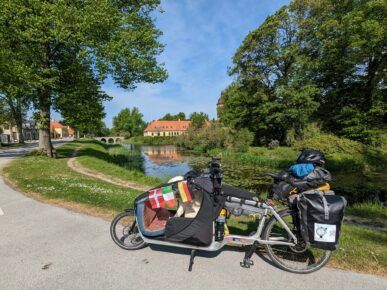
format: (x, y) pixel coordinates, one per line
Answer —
(162, 161)
(162, 154)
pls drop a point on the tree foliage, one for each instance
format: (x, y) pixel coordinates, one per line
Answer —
(311, 61)
(65, 47)
(128, 123)
(169, 117)
(216, 136)
(198, 119)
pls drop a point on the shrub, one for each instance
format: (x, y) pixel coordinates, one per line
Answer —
(37, 152)
(156, 141)
(330, 144)
(216, 136)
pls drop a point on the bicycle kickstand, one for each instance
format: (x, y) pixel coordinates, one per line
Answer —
(247, 262)
(191, 260)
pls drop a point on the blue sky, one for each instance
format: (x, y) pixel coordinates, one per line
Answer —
(200, 38)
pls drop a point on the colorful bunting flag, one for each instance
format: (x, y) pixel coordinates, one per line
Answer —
(184, 192)
(169, 197)
(156, 198)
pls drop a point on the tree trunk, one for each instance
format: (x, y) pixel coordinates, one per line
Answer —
(44, 127)
(19, 126)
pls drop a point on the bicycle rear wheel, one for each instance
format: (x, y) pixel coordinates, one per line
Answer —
(300, 258)
(124, 231)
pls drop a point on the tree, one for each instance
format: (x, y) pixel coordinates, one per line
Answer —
(270, 96)
(345, 44)
(198, 119)
(116, 38)
(320, 61)
(14, 109)
(129, 122)
(169, 117)
(15, 85)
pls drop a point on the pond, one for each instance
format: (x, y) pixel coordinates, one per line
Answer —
(166, 161)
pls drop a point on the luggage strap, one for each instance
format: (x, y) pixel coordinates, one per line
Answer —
(326, 209)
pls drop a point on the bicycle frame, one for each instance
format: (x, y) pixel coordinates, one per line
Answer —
(238, 240)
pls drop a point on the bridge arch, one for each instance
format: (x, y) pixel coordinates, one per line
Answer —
(111, 141)
(103, 140)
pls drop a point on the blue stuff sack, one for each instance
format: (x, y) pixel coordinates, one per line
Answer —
(301, 170)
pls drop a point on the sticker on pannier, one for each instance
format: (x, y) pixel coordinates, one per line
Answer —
(324, 233)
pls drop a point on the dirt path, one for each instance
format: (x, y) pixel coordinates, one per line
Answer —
(74, 165)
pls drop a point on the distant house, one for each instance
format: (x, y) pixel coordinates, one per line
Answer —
(59, 131)
(166, 128)
(10, 132)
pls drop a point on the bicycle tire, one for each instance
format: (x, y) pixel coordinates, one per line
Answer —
(119, 242)
(270, 252)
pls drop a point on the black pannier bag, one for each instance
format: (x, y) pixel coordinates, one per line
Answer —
(321, 217)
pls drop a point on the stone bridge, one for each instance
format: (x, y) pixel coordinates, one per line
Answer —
(111, 139)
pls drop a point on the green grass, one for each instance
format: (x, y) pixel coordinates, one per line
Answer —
(53, 179)
(370, 210)
(108, 158)
(362, 250)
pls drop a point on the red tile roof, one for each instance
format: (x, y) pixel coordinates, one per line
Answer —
(157, 126)
(55, 124)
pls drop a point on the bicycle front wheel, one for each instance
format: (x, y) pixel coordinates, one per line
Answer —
(124, 231)
(300, 258)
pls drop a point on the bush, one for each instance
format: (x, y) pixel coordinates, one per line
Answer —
(155, 141)
(216, 136)
(330, 144)
(37, 152)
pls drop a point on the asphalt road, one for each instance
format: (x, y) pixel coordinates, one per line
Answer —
(46, 247)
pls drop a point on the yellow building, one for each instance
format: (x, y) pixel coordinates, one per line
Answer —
(59, 131)
(166, 128)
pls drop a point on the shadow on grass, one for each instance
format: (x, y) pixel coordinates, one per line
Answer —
(111, 153)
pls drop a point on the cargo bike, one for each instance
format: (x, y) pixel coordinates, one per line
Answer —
(288, 235)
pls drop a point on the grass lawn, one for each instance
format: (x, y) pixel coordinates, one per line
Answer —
(374, 212)
(54, 180)
(105, 159)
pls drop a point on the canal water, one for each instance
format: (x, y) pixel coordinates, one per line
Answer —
(167, 161)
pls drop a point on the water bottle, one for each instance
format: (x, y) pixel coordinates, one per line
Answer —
(219, 225)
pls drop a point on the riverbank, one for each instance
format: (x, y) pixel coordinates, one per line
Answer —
(358, 171)
(362, 250)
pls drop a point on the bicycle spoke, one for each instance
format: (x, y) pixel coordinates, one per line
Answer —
(296, 258)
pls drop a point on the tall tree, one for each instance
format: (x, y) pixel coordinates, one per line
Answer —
(129, 122)
(345, 43)
(312, 60)
(116, 38)
(270, 96)
(198, 119)
(15, 83)
(170, 117)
